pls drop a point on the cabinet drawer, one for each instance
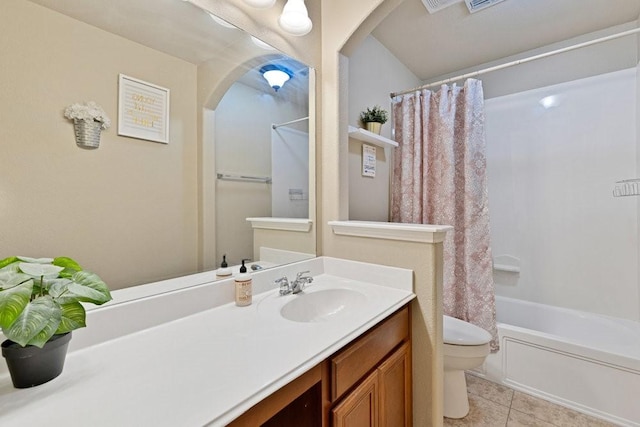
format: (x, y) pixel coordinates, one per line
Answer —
(352, 363)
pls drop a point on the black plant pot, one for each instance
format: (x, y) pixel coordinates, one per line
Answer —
(31, 366)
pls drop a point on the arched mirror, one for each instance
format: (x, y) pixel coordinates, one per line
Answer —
(135, 210)
(259, 131)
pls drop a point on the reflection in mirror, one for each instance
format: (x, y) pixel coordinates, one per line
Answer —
(132, 210)
(261, 154)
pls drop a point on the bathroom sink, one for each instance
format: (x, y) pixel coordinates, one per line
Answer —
(322, 305)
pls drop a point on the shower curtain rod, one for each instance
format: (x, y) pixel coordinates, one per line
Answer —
(290, 123)
(518, 62)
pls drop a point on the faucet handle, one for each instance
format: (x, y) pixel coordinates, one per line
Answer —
(283, 283)
(301, 274)
(301, 281)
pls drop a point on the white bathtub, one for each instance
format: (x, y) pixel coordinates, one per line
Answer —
(584, 361)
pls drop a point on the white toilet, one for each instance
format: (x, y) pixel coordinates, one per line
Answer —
(465, 347)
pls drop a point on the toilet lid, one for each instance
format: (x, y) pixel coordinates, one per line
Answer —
(459, 332)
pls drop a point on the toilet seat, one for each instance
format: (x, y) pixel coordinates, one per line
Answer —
(459, 332)
(466, 351)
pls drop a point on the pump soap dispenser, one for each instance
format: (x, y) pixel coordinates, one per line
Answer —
(243, 287)
(224, 270)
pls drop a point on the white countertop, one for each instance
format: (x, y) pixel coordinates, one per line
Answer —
(206, 368)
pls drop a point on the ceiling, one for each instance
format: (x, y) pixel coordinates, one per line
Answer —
(182, 30)
(175, 27)
(429, 45)
(452, 39)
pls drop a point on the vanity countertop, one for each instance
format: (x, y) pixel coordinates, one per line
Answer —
(209, 367)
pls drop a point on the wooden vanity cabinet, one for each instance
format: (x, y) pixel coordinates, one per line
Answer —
(361, 406)
(396, 397)
(298, 404)
(371, 378)
(365, 384)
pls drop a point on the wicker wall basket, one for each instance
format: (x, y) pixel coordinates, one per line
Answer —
(87, 133)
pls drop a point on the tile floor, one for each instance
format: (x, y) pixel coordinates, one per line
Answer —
(494, 405)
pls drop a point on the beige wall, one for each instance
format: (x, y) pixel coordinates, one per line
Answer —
(127, 187)
(373, 74)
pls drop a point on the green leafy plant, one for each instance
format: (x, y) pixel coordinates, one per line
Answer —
(374, 114)
(42, 297)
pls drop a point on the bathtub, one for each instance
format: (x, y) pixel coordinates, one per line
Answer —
(583, 361)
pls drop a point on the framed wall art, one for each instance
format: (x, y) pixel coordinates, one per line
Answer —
(143, 110)
(368, 160)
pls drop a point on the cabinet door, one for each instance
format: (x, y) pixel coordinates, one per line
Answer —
(351, 364)
(360, 407)
(395, 389)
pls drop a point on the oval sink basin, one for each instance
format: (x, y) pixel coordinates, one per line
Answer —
(321, 306)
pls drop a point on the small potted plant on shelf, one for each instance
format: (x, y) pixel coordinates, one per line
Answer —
(40, 304)
(89, 120)
(373, 118)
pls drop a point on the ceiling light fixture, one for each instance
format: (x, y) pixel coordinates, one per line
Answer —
(295, 18)
(260, 4)
(275, 75)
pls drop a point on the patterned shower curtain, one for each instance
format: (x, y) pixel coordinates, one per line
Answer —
(440, 178)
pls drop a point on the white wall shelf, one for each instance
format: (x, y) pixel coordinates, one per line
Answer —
(370, 137)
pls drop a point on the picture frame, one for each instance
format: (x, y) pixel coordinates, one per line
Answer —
(143, 110)
(368, 160)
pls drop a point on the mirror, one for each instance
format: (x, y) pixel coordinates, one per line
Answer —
(133, 210)
(261, 157)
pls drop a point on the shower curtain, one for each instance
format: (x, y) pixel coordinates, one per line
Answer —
(440, 177)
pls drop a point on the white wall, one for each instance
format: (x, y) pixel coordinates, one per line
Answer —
(243, 147)
(551, 175)
(373, 74)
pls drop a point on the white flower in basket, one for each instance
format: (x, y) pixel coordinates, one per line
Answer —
(89, 112)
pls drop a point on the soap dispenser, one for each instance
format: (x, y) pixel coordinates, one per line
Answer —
(243, 287)
(224, 270)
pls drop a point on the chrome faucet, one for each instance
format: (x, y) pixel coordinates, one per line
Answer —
(300, 282)
(283, 283)
(297, 286)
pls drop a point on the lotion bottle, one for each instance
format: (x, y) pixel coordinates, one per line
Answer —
(243, 287)
(224, 270)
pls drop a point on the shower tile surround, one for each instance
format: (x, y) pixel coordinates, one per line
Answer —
(494, 405)
(551, 171)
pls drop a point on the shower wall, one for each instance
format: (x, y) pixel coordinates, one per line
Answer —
(290, 173)
(553, 157)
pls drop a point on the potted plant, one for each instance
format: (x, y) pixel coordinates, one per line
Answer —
(40, 304)
(373, 118)
(88, 120)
